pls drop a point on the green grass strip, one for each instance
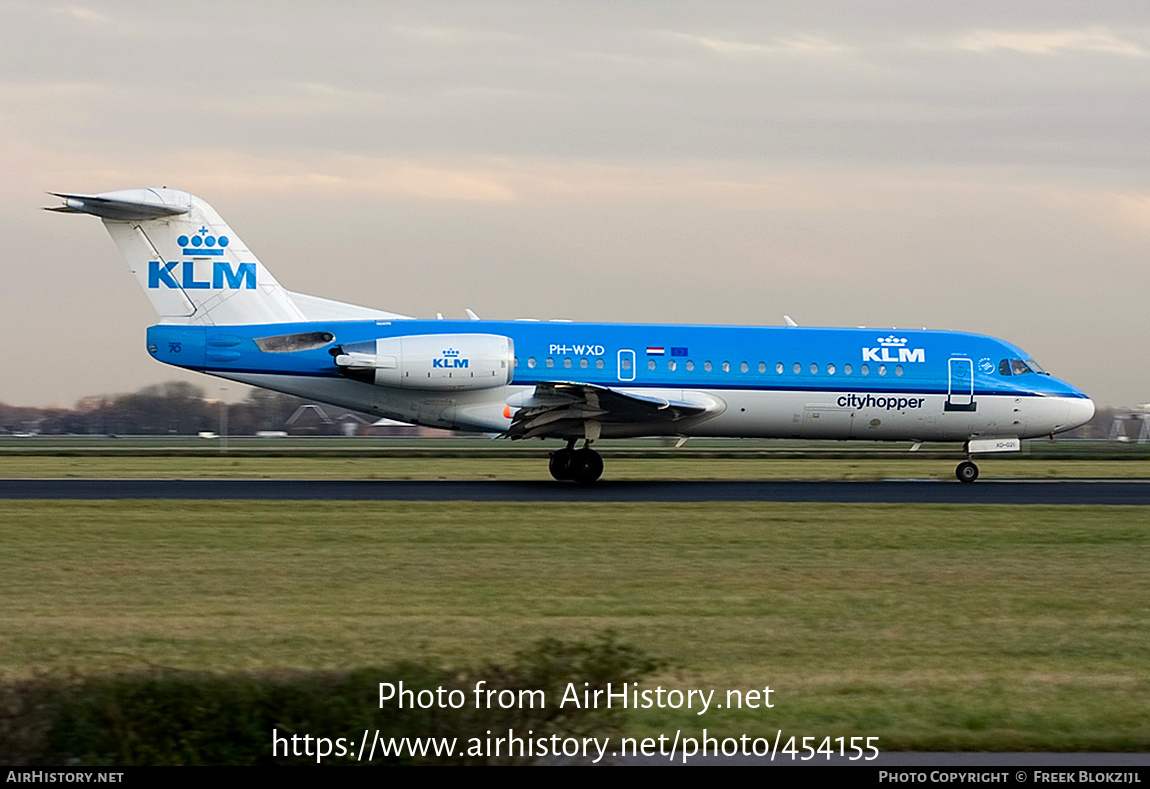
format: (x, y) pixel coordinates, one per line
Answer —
(984, 627)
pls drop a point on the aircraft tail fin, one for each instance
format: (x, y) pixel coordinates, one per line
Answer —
(192, 266)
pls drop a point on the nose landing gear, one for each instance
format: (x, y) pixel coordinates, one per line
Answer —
(583, 466)
(966, 472)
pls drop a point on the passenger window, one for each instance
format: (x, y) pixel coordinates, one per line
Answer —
(898, 369)
(707, 366)
(598, 364)
(882, 369)
(531, 361)
(831, 369)
(797, 368)
(690, 365)
(626, 363)
(726, 367)
(567, 362)
(671, 365)
(865, 369)
(650, 364)
(814, 368)
(515, 363)
(762, 367)
(779, 368)
(583, 363)
(846, 369)
(550, 362)
(744, 367)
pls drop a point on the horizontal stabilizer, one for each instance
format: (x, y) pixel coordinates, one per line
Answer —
(117, 209)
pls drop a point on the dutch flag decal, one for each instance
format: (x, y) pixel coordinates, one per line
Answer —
(654, 350)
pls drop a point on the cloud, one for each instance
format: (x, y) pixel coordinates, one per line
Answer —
(378, 177)
(1049, 43)
(450, 36)
(86, 15)
(798, 45)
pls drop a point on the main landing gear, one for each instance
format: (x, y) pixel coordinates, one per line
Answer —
(577, 465)
(966, 471)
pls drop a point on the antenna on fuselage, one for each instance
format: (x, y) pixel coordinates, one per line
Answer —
(788, 320)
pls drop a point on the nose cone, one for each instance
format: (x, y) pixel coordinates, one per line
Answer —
(1079, 412)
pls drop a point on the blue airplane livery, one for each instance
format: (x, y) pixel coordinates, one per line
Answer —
(222, 313)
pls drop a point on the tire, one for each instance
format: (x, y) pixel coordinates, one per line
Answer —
(560, 464)
(966, 472)
(586, 466)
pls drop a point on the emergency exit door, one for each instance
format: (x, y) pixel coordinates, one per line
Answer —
(960, 386)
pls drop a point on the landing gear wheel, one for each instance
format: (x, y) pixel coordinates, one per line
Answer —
(560, 464)
(966, 472)
(586, 466)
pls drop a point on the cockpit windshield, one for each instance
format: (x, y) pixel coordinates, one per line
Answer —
(1019, 367)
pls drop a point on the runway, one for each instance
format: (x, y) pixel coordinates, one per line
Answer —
(1017, 492)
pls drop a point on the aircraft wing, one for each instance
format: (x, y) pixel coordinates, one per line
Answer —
(562, 409)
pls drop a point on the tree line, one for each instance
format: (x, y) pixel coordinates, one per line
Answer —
(180, 408)
(173, 408)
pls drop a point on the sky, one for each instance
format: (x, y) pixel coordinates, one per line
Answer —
(975, 166)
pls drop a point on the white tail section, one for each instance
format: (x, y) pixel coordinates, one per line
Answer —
(193, 267)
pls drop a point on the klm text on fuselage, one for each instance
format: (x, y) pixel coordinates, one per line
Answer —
(884, 355)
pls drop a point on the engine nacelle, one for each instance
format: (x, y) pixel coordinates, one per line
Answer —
(431, 361)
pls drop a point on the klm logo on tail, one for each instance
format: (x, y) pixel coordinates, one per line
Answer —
(182, 274)
(224, 277)
(202, 244)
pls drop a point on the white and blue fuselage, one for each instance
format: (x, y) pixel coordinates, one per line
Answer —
(785, 382)
(223, 313)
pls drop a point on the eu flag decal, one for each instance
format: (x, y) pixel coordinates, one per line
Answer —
(678, 351)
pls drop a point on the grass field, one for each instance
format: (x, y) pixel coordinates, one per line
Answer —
(932, 627)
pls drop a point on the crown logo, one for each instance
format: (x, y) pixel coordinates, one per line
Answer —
(202, 243)
(892, 341)
(451, 353)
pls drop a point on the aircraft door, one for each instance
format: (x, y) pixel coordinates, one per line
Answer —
(626, 365)
(960, 385)
(826, 421)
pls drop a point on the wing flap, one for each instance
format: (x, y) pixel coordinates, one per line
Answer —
(562, 409)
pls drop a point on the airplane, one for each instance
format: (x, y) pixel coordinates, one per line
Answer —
(222, 313)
